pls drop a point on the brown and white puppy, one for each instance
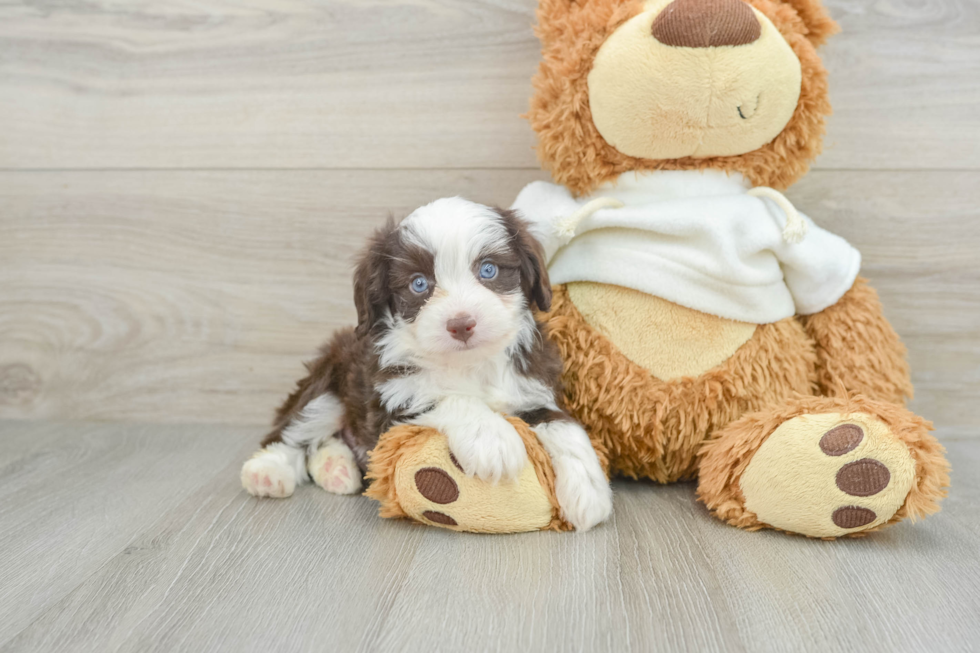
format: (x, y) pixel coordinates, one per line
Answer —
(446, 338)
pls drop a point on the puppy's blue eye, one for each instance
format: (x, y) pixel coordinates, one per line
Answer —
(488, 271)
(420, 284)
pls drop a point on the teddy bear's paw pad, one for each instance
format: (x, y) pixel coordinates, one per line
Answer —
(433, 489)
(853, 517)
(828, 475)
(436, 485)
(841, 439)
(265, 475)
(439, 518)
(863, 478)
(333, 468)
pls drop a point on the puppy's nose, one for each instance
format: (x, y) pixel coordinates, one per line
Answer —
(706, 24)
(461, 327)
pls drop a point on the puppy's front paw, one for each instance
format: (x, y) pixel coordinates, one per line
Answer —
(583, 492)
(268, 474)
(489, 449)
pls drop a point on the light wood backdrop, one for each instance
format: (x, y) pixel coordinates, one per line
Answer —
(182, 184)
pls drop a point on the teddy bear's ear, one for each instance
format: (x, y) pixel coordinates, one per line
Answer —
(818, 22)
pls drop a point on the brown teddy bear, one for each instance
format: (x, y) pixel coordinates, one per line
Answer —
(708, 329)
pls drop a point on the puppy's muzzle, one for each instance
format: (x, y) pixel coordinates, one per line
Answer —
(461, 327)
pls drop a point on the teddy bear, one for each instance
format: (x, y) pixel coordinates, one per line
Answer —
(708, 329)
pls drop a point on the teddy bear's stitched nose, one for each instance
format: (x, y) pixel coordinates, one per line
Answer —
(706, 23)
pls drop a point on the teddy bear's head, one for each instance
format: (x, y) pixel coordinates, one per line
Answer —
(629, 85)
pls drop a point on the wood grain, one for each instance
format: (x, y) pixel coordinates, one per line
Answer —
(73, 496)
(194, 296)
(185, 296)
(917, 233)
(183, 186)
(218, 570)
(406, 84)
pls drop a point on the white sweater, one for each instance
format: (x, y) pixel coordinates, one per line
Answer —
(695, 238)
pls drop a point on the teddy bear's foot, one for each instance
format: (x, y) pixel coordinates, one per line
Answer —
(856, 478)
(415, 475)
(824, 467)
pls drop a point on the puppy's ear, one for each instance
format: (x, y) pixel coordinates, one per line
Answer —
(534, 271)
(371, 292)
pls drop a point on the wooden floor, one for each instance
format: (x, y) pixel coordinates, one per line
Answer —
(182, 185)
(140, 538)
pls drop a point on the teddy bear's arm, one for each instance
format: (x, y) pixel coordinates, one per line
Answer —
(857, 349)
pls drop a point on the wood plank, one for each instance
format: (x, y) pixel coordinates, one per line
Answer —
(194, 296)
(625, 586)
(916, 233)
(23, 439)
(218, 83)
(890, 591)
(224, 571)
(406, 84)
(904, 82)
(114, 287)
(77, 495)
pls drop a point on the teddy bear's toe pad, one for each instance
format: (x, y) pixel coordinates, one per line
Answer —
(432, 488)
(436, 485)
(827, 475)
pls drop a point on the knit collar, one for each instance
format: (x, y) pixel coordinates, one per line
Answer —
(645, 188)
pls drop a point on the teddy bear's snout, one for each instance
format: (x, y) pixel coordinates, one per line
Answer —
(706, 23)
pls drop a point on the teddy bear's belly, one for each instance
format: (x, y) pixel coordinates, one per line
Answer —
(667, 339)
(649, 426)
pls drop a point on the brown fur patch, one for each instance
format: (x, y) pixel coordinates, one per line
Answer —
(383, 278)
(857, 349)
(408, 261)
(542, 362)
(372, 284)
(570, 146)
(530, 257)
(726, 457)
(346, 367)
(508, 279)
(651, 428)
(542, 416)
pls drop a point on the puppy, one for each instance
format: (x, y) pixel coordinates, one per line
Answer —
(446, 338)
